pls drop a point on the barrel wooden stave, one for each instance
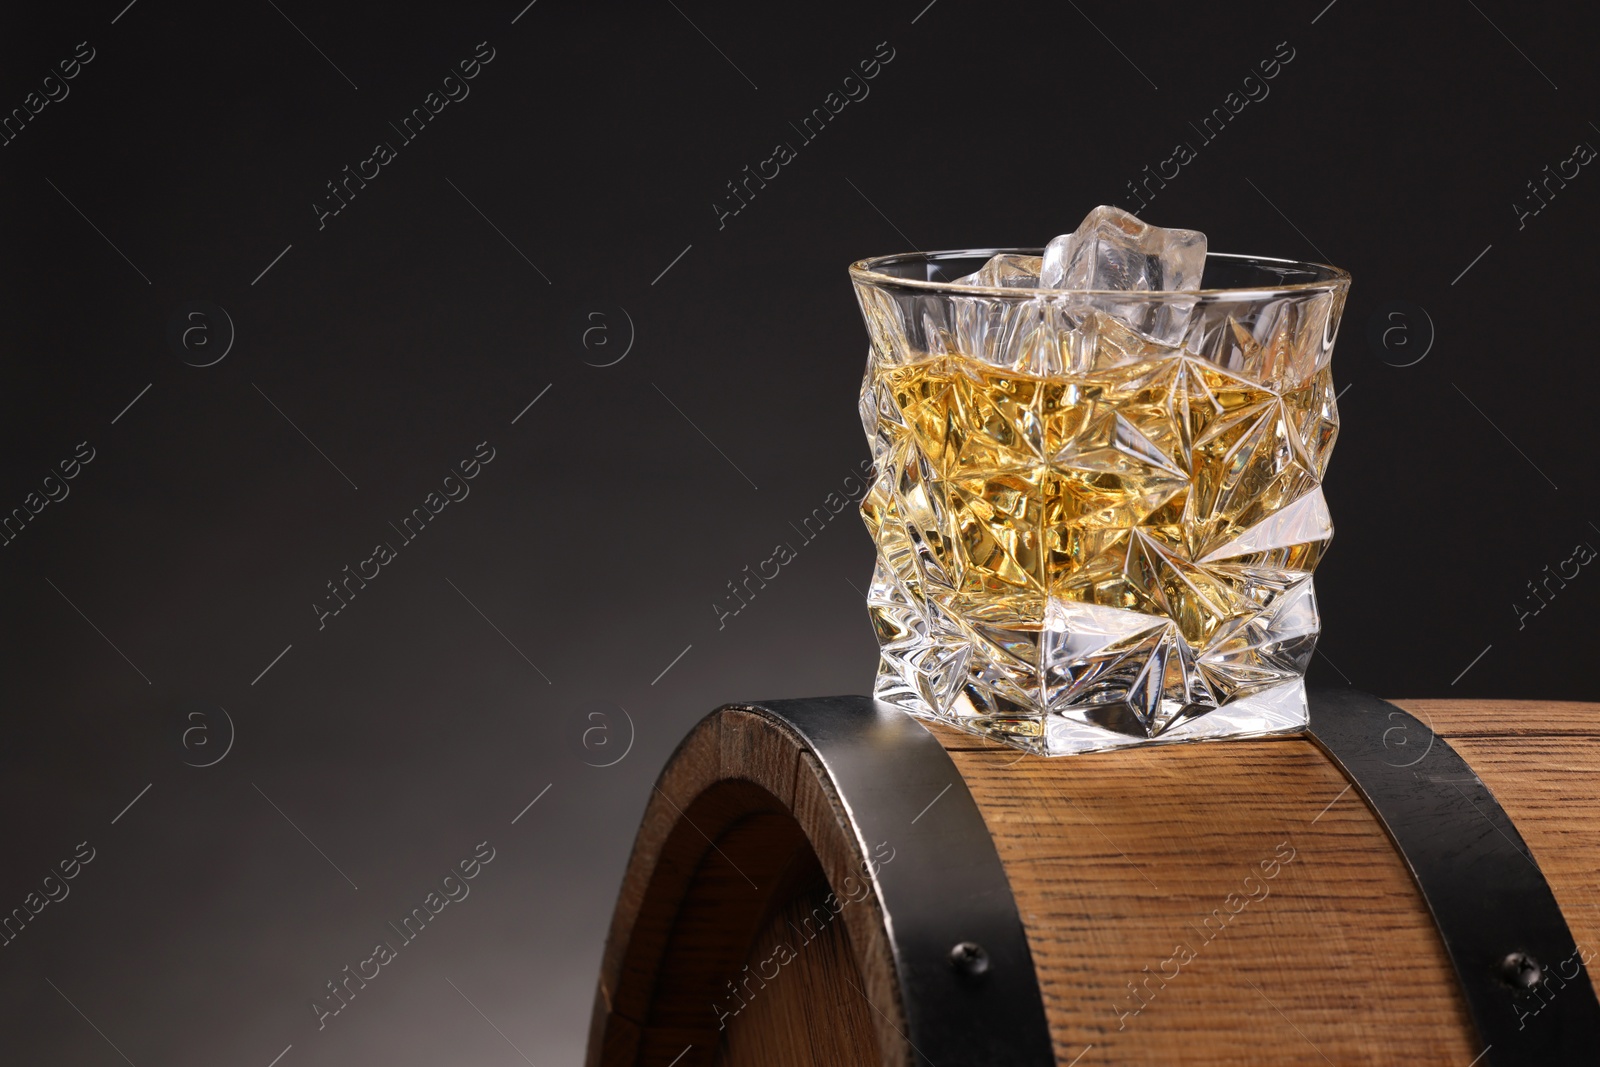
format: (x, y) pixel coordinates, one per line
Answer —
(1542, 762)
(1114, 871)
(809, 1015)
(1114, 860)
(659, 990)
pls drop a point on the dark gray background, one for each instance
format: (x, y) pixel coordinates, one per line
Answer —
(412, 327)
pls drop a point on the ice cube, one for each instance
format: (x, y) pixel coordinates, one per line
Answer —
(1113, 250)
(1006, 271)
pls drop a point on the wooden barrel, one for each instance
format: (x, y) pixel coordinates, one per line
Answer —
(830, 881)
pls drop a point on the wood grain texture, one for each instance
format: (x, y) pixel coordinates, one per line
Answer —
(1542, 762)
(741, 827)
(1122, 865)
(1231, 903)
(807, 1015)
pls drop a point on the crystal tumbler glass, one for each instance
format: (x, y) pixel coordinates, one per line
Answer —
(1088, 537)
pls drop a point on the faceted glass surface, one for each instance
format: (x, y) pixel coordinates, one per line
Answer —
(1087, 536)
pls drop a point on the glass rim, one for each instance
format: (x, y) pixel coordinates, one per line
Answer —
(865, 271)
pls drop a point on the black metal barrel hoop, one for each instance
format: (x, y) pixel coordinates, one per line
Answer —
(1523, 977)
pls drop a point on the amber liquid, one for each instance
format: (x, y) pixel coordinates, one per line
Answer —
(1125, 486)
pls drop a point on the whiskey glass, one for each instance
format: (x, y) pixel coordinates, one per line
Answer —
(1089, 536)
